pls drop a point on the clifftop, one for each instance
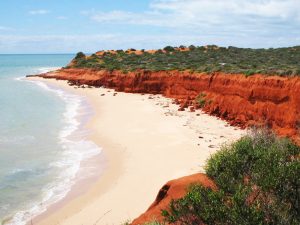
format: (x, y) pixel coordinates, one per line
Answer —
(208, 59)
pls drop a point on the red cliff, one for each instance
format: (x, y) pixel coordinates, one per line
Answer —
(174, 189)
(270, 101)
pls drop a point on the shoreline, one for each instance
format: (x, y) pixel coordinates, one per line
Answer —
(135, 151)
(74, 136)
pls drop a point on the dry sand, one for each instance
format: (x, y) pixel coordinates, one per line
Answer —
(145, 142)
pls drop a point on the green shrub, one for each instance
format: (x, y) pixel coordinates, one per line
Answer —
(80, 55)
(192, 47)
(203, 205)
(258, 183)
(200, 99)
(169, 49)
(249, 72)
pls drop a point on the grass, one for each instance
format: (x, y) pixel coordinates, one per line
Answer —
(200, 100)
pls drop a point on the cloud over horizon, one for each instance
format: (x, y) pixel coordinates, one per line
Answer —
(241, 23)
(39, 12)
(207, 15)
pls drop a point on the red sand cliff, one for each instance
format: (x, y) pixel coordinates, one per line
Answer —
(271, 101)
(174, 189)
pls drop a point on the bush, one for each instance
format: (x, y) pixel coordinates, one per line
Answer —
(169, 49)
(250, 72)
(80, 55)
(192, 47)
(205, 206)
(200, 99)
(258, 181)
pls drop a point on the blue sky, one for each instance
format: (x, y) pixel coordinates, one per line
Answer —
(67, 26)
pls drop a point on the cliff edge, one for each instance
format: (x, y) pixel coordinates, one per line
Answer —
(257, 100)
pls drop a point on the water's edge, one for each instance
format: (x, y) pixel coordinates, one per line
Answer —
(77, 149)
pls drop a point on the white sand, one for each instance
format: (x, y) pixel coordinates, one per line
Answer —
(145, 144)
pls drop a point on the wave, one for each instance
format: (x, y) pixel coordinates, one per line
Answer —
(76, 148)
(38, 70)
(47, 69)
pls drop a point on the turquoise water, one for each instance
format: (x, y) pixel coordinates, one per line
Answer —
(39, 154)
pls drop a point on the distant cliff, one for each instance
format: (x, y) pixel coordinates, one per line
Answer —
(270, 101)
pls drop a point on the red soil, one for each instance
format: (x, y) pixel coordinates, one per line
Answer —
(140, 52)
(174, 189)
(270, 101)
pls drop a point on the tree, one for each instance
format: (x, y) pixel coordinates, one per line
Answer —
(169, 49)
(80, 55)
(192, 47)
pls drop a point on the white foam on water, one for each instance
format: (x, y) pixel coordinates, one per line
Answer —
(74, 152)
(47, 69)
(38, 70)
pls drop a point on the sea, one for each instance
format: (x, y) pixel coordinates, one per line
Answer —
(43, 139)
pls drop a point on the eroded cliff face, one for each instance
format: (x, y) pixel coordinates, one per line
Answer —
(173, 189)
(270, 101)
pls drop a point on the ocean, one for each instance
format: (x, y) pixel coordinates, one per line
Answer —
(42, 137)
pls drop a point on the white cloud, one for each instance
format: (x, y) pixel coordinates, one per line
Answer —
(264, 8)
(93, 43)
(39, 12)
(259, 20)
(122, 17)
(242, 23)
(54, 43)
(195, 13)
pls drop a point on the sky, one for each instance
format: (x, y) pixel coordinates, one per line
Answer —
(69, 26)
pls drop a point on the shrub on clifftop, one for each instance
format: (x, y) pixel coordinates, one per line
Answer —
(208, 59)
(80, 55)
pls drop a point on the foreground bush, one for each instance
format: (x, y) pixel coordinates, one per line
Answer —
(258, 181)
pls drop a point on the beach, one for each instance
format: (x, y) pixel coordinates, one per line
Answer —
(145, 142)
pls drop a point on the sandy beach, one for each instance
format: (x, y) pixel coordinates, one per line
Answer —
(146, 142)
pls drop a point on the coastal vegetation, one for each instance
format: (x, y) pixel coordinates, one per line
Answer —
(200, 99)
(258, 183)
(208, 59)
